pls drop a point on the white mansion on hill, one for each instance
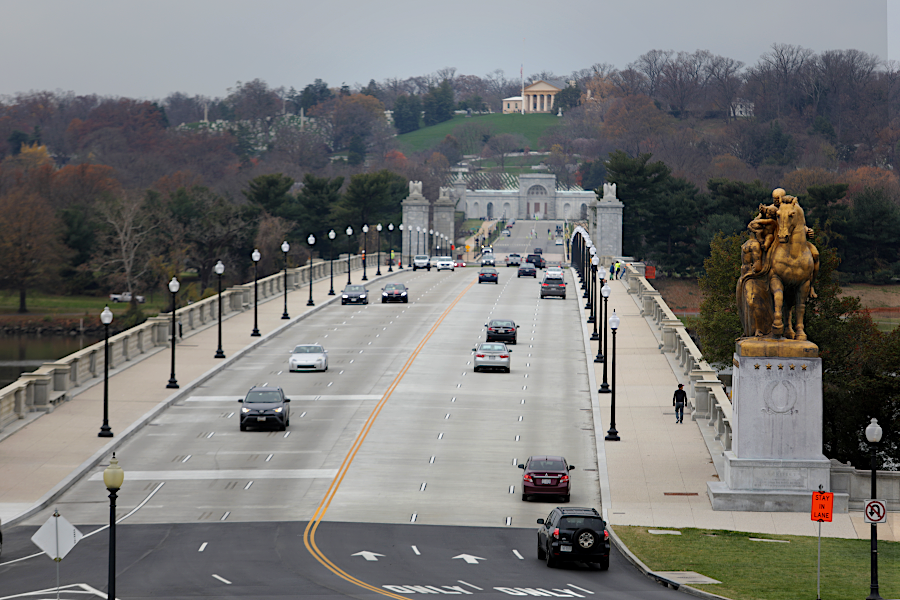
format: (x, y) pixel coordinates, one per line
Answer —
(539, 97)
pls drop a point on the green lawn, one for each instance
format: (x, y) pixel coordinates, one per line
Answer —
(768, 570)
(531, 126)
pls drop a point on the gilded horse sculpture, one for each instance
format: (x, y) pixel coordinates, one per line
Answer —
(779, 266)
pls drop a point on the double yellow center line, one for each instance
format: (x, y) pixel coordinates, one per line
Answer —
(309, 535)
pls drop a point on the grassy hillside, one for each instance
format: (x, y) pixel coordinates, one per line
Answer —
(531, 126)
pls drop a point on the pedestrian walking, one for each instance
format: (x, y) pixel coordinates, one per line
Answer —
(619, 269)
(678, 401)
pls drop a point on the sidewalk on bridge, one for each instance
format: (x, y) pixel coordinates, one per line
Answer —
(47, 454)
(657, 473)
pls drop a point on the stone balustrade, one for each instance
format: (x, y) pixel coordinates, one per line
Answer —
(53, 382)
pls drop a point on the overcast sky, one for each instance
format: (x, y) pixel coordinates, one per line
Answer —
(151, 49)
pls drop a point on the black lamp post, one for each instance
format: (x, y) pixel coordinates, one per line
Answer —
(613, 435)
(365, 230)
(285, 247)
(594, 302)
(173, 287)
(430, 241)
(255, 255)
(401, 245)
(311, 240)
(873, 435)
(349, 232)
(331, 236)
(378, 250)
(219, 269)
(586, 266)
(589, 290)
(106, 318)
(601, 351)
(391, 244)
(113, 477)
(418, 231)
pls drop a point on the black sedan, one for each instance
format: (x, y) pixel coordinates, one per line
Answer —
(394, 292)
(489, 275)
(501, 330)
(527, 270)
(355, 294)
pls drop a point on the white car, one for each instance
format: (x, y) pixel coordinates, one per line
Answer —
(421, 262)
(445, 262)
(308, 357)
(559, 241)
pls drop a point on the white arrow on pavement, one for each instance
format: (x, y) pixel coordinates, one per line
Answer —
(472, 560)
(368, 555)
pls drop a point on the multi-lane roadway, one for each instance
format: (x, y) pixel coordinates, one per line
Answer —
(396, 476)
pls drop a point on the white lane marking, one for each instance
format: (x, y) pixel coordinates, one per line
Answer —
(517, 438)
(269, 457)
(515, 462)
(352, 359)
(520, 418)
(523, 401)
(211, 433)
(362, 351)
(371, 556)
(225, 516)
(422, 487)
(186, 458)
(330, 384)
(211, 474)
(231, 414)
(453, 399)
(519, 556)
(222, 579)
(458, 385)
(370, 343)
(249, 483)
(202, 547)
(474, 587)
(580, 589)
(341, 373)
(431, 462)
(412, 519)
(447, 416)
(303, 414)
(441, 436)
(472, 560)
(287, 434)
(508, 521)
(524, 387)
(416, 550)
(512, 489)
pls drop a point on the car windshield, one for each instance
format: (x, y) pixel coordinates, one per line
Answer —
(354, 288)
(269, 397)
(444, 258)
(394, 286)
(595, 523)
(308, 350)
(547, 464)
(502, 324)
(421, 257)
(488, 271)
(492, 347)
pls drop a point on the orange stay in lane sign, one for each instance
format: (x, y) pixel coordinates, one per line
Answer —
(822, 506)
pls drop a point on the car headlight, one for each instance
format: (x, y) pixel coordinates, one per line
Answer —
(402, 293)
(278, 410)
(345, 296)
(384, 293)
(362, 295)
(244, 409)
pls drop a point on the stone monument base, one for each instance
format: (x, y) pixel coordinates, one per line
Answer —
(772, 485)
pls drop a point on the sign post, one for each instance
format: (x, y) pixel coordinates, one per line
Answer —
(822, 510)
(56, 538)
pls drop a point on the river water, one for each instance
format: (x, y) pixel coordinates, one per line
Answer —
(25, 353)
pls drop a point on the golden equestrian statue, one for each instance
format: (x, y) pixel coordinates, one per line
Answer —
(778, 268)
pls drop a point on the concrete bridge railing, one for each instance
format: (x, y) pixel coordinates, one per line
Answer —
(53, 382)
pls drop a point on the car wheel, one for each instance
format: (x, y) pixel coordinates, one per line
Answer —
(586, 539)
(563, 297)
(383, 301)
(243, 427)
(603, 565)
(566, 498)
(406, 301)
(541, 554)
(343, 303)
(283, 426)
(525, 499)
(508, 370)
(288, 422)
(477, 369)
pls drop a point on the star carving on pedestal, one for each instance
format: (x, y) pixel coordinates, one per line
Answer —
(780, 367)
(802, 367)
(792, 367)
(768, 366)
(756, 366)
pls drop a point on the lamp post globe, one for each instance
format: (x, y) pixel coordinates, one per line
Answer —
(311, 240)
(173, 287)
(285, 247)
(873, 436)
(219, 269)
(113, 478)
(391, 246)
(106, 317)
(613, 435)
(365, 230)
(255, 256)
(349, 232)
(331, 236)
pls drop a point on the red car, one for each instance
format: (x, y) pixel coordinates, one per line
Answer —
(546, 476)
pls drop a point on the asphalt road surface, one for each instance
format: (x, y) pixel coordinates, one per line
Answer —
(397, 475)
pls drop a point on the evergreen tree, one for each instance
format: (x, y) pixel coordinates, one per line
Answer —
(438, 104)
(406, 113)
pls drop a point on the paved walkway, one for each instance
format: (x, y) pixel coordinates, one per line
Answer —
(658, 472)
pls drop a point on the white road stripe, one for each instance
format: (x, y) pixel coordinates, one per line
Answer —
(249, 483)
(222, 579)
(225, 516)
(416, 550)
(186, 458)
(519, 556)
(205, 475)
(580, 589)
(202, 547)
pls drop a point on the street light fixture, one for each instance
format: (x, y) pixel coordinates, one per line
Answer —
(430, 241)
(391, 244)
(873, 435)
(365, 230)
(284, 248)
(311, 240)
(113, 478)
(173, 287)
(255, 256)
(378, 250)
(588, 292)
(349, 232)
(219, 269)
(331, 236)
(418, 231)
(613, 435)
(106, 318)
(401, 245)
(601, 348)
(594, 262)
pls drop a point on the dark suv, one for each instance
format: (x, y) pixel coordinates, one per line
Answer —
(265, 406)
(537, 260)
(573, 535)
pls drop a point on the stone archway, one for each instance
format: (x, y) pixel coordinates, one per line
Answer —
(507, 211)
(536, 194)
(490, 210)
(566, 208)
(476, 211)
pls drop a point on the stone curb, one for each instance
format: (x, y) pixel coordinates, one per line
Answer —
(106, 450)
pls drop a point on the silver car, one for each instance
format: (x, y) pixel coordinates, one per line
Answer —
(492, 355)
(308, 357)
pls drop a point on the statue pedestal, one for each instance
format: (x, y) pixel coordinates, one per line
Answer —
(776, 461)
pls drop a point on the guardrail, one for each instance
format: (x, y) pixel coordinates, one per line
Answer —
(53, 382)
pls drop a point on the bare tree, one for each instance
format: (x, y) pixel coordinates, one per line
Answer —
(472, 135)
(652, 65)
(130, 225)
(725, 82)
(683, 80)
(502, 145)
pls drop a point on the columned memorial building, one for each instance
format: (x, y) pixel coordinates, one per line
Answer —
(539, 97)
